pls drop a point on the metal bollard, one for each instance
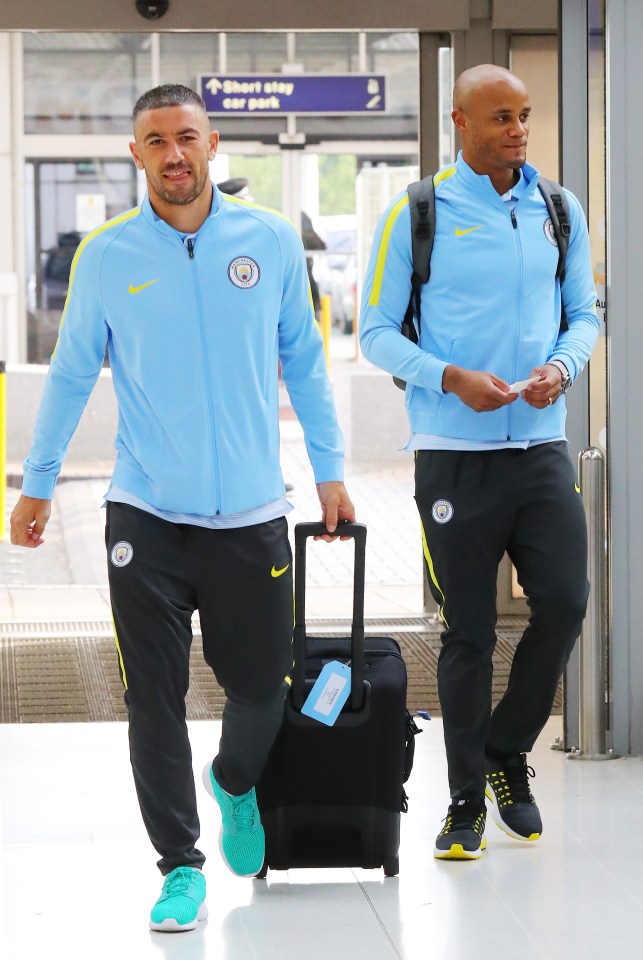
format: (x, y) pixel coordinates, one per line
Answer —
(593, 638)
(3, 449)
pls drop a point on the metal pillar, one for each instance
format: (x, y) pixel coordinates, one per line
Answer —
(624, 104)
(573, 147)
(593, 711)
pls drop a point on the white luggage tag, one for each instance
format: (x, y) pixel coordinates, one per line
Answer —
(329, 694)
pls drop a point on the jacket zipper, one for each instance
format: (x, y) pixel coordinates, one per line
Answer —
(518, 248)
(189, 243)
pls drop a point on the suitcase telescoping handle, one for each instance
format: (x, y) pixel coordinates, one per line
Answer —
(302, 532)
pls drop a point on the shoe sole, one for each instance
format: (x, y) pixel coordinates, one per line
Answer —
(207, 783)
(496, 816)
(457, 852)
(170, 925)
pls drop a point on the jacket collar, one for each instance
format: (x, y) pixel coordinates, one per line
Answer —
(162, 226)
(482, 183)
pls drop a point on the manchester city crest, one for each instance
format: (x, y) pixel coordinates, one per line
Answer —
(244, 272)
(122, 553)
(442, 511)
(550, 233)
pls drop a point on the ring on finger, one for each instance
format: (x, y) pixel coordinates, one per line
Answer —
(549, 401)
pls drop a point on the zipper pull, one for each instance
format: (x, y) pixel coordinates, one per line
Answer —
(190, 245)
(514, 222)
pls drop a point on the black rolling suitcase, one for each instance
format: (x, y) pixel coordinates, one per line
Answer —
(331, 796)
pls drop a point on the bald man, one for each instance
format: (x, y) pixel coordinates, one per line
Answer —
(486, 404)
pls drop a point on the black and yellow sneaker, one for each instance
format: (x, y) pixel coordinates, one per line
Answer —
(513, 807)
(462, 836)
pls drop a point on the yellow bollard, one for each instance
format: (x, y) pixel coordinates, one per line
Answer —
(3, 448)
(325, 326)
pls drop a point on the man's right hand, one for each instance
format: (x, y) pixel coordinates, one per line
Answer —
(28, 521)
(480, 391)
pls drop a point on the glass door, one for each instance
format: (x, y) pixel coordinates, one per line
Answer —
(65, 200)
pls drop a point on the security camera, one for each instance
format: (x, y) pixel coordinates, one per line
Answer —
(152, 9)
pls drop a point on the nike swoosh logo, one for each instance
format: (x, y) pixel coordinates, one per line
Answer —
(461, 233)
(133, 289)
(277, 573)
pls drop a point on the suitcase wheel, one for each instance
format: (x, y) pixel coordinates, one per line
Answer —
(391, 867)
(262, 873)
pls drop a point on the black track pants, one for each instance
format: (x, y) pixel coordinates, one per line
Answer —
(474, 507)
(240, 581)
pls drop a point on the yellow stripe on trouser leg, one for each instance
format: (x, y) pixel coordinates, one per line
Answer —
(288, 677)
(429, 563)
(120, 655)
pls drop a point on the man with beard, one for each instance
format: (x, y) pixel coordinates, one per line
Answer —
(196, 297)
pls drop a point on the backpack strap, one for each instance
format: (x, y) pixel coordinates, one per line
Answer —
(558, 207)
(422, 209)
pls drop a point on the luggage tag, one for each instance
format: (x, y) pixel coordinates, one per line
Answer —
(329, 694)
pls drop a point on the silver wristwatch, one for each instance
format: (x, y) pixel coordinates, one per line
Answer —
(566, 382)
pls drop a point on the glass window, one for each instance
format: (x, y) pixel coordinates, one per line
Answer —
(327, 52)
(58, 197)
(397, 56)
(84, 82)
(263, 175)
(185, 55)
(256, 52)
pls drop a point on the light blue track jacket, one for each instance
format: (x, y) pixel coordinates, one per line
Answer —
(193, 344)
(491, 304)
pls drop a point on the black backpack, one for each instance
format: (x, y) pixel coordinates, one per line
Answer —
(422, 203)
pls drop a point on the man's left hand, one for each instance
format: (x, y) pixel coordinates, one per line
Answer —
(336, 506)
(548, 388)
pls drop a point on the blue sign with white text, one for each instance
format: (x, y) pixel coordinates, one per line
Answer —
(279, 94)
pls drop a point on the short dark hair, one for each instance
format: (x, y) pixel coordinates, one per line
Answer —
(167, 95)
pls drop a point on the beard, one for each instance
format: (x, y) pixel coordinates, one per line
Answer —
(193, 189)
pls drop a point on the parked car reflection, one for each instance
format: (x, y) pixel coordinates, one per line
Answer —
(45, 305)
(56, 270)
(336, 268)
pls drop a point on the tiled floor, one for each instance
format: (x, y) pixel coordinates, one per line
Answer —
(79, 875)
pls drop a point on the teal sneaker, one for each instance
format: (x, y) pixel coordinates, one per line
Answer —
(241, 839)
(180, 906)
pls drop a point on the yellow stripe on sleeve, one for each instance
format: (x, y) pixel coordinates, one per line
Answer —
(444, 174)
(376, 289)
(255, 206)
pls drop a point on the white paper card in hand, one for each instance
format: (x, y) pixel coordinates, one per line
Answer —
(521, 385)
